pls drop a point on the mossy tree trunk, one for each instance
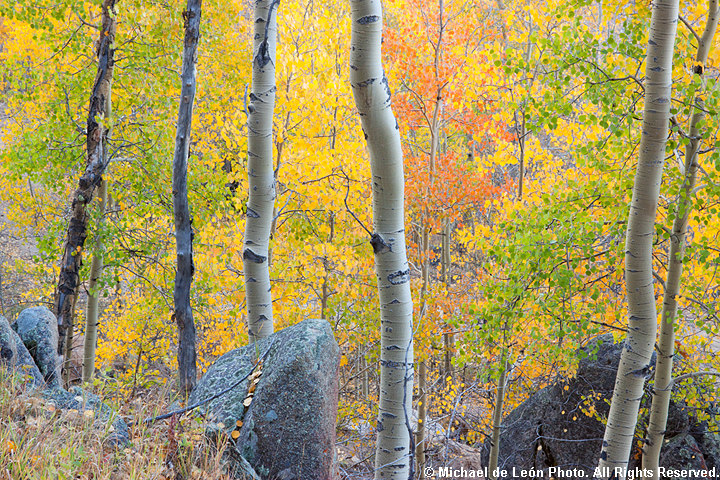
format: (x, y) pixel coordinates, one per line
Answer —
(93, 306)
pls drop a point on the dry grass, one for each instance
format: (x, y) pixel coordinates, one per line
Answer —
(39, 442)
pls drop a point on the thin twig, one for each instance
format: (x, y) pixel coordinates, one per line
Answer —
(687, 24)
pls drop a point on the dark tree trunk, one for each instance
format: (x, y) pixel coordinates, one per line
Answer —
(69, 279)
(183, 221)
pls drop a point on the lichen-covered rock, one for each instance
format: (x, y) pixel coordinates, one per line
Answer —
(105, 417)
(678, 420)
(240, 468)
(682, 453)
(14, 354)
(8, 350)
(288, 429)
(37, 327)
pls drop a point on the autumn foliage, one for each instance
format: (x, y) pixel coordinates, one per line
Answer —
(534, 277)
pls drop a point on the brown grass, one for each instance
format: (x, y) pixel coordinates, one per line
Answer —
(39, 442)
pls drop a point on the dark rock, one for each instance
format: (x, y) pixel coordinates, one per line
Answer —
(77, 399)
(709, 443)
(288, 430)
(550, 429)
(678, 420)
(682, 453)
(37, 327)
(14, 354)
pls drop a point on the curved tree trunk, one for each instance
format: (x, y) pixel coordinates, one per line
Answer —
(394, 452)
(183, 220)
(666, 342)
(261, 178)
(97, 128)
(642, 313)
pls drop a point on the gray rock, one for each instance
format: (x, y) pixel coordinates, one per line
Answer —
(239, 467)
(77, 399)
(8, 350)
(288, 430)
(682, 453)
(37, 327)
(14, 354)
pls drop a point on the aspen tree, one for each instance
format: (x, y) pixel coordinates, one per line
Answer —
(96, 267)
(642, 314)
(91, 317)
(394, 451)
(183, 220)
(666, 343)
(261, 178)
(96, 136)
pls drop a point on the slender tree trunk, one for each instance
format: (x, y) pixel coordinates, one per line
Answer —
(365, 378)
(642, 314)
(448, 336)
(395, 449)
(97, 127)
(422, 419)
(187, 370)
(91, 318)
(666, 343)
(497, 417)
(522, 130)
(96, 267)
(261, 179)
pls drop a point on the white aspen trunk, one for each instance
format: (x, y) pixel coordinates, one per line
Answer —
(666, 342)
(92, 314)
(394, 452)
(187, 356)
(642, 313)
(261, 178)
